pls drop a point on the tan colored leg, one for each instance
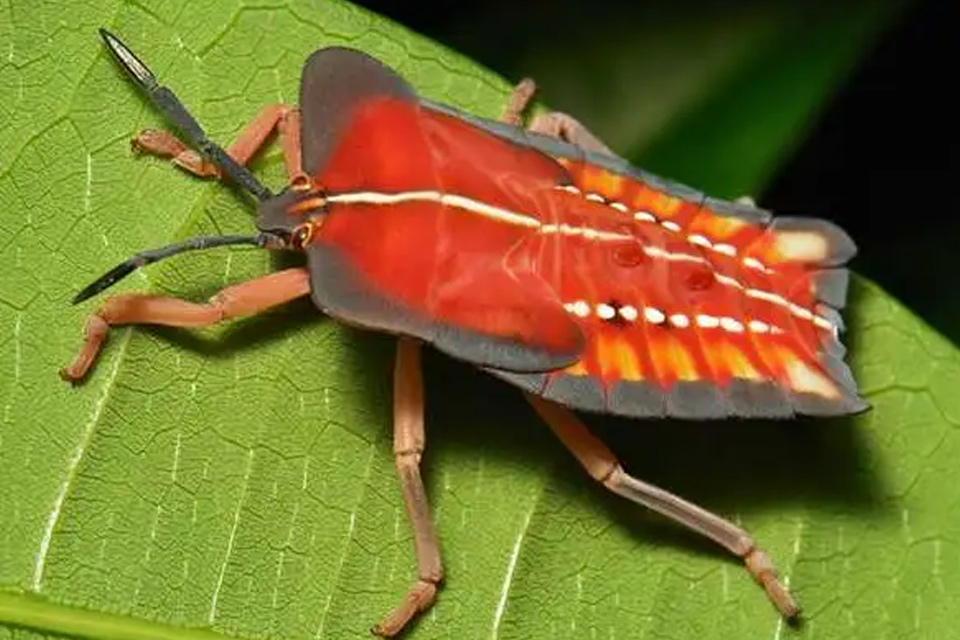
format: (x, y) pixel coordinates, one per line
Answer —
(280, 116)
(518, 102)
(289, 128)
(556, 124)
(408, 442)
(565, 127)
(604, 467)
(247, 298)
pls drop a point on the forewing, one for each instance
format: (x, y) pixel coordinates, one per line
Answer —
(393, 255)
(334, 83)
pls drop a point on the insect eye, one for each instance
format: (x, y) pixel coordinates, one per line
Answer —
(301, 236)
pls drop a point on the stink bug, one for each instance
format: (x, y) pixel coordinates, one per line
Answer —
(540, 257)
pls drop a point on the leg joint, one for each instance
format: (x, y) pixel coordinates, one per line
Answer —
(609, 476)
(407, 459)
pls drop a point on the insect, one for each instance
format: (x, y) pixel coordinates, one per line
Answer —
(533, 253)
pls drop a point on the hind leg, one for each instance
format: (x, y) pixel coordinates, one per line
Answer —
(601, 463)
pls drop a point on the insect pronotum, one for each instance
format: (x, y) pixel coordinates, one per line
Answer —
(541, 257)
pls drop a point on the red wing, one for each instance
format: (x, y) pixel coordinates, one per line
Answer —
(469, 236)
(479, 308)
(703, 309)
(393, 255)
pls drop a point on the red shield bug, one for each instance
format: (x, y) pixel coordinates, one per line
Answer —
(541, 257)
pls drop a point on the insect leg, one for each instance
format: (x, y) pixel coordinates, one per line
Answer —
(408, 443)
(565, 127)
(603, 466)
(164, 144)
(518, 102)
(553, 123)
(247, 298)
(176, 112)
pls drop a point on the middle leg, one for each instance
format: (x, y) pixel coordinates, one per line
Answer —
(408, 442)
(284, 118)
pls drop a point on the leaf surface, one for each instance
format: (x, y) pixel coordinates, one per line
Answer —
(238, 481)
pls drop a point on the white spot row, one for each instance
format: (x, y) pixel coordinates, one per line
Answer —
(587, 233)
(774, 298)
(694, 238)
(653, 315)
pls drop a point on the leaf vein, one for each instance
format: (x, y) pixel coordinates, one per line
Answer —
(86, 437)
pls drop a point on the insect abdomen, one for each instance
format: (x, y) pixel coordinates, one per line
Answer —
(694, 307)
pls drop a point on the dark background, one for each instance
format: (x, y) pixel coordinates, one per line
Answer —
(881, 160)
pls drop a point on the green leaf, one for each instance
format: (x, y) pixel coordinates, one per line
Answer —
(238, 482)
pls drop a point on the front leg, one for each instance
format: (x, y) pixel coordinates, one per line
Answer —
(284, 118)
(247, 298)
(408, 441)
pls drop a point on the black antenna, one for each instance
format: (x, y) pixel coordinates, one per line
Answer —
(171, 106)
(138, 260)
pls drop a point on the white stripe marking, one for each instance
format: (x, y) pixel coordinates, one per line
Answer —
(511, 217)
(769, 297)
(460, 202)
(698, 239)
(628, 313)
(708, 322)
(654, 315)
(605, 311)
(580, 308)
(657, 252)
(586, 232)
(801, 312)
(753, 263)
(730, 282)
(731, 325)
(758, 326)
(680, 320)
(823, 323)
(644, 216)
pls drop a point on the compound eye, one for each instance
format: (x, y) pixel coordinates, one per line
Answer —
(301, 236)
